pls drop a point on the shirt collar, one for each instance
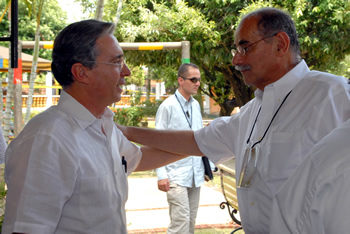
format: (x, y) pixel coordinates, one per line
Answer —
(287, 82)
(183, 100)
(78, 112)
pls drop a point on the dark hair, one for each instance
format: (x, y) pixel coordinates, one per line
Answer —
(183, 69)
(272, 20)
(76, 44)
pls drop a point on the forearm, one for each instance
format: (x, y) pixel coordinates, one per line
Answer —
(174, 141)
(154, 158)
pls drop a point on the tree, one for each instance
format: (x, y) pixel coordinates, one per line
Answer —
(99, 10)
(53, 19)
(319, 24)
(323, 27)
(37, 8)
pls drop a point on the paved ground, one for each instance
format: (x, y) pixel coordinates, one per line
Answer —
(147, 208)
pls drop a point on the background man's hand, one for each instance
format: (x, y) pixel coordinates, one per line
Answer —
(163, 185)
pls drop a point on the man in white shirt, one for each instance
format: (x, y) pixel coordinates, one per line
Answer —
(293, 109)
(67, 170)
(316, 198)
(181, 180)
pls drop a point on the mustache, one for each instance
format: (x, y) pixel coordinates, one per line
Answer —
(241, 68)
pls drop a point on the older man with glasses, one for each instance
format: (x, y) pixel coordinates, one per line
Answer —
(293, 109)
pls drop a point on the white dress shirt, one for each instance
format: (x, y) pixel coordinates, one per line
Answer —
(316, 198)
(3, 147)
(65, 176)
(170, 115)
(318, 103)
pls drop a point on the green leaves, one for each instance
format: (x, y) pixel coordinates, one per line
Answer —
(323, 27)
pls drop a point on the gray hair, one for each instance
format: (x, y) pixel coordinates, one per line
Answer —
(272, 20)
(77, 44)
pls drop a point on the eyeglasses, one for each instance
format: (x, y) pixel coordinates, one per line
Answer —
(120, 63)
(243, 50)
(193, 79)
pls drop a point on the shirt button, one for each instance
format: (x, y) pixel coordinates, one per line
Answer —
(252, 203)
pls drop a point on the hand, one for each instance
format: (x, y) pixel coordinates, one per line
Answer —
(163, 185)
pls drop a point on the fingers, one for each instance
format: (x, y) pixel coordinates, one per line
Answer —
(163, 185)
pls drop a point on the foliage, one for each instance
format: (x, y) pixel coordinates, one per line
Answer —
(150, 107)
(137, 76)
(323, 26)
(132, 116)
(158, 21)
(344, 67)
(53, 19)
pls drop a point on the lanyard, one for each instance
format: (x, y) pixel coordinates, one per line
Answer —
(186, 115)
(268, 127)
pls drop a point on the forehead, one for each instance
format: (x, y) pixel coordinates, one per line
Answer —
(192, 71)
(247, 31)
(108, 47)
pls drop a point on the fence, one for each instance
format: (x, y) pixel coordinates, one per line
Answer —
(40, 101)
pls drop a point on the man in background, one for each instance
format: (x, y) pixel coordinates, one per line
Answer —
(181, 180)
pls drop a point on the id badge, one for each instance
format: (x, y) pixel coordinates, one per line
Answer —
(248, 167)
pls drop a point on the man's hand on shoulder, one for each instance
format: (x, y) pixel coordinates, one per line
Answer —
(163, 185)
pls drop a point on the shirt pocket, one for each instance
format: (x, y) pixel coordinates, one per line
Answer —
(284, 157)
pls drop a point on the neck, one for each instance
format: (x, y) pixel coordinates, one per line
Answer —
(280, 71)
(187, 96)
(90, 104)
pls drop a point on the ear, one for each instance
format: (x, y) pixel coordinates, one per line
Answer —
(283, 43)
(180, 80)
(80, 73)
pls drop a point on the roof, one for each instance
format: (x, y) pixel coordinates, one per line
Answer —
(43, 64)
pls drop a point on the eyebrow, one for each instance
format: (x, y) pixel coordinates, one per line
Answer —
(116, 57)
(243, 42)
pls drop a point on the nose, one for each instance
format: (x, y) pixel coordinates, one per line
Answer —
(236, 59)
(125, 71)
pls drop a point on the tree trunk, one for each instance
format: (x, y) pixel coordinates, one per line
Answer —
(99, 10)
(8, 108)
(32, 75)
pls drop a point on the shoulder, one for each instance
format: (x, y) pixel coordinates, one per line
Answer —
(169, 101)
(336, 146)
(52, 123)
(318, 77)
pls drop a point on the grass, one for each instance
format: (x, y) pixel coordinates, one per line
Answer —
(143, 174)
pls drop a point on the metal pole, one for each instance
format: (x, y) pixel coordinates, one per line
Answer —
(185, 52)
(14, 33)
(124, 46)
